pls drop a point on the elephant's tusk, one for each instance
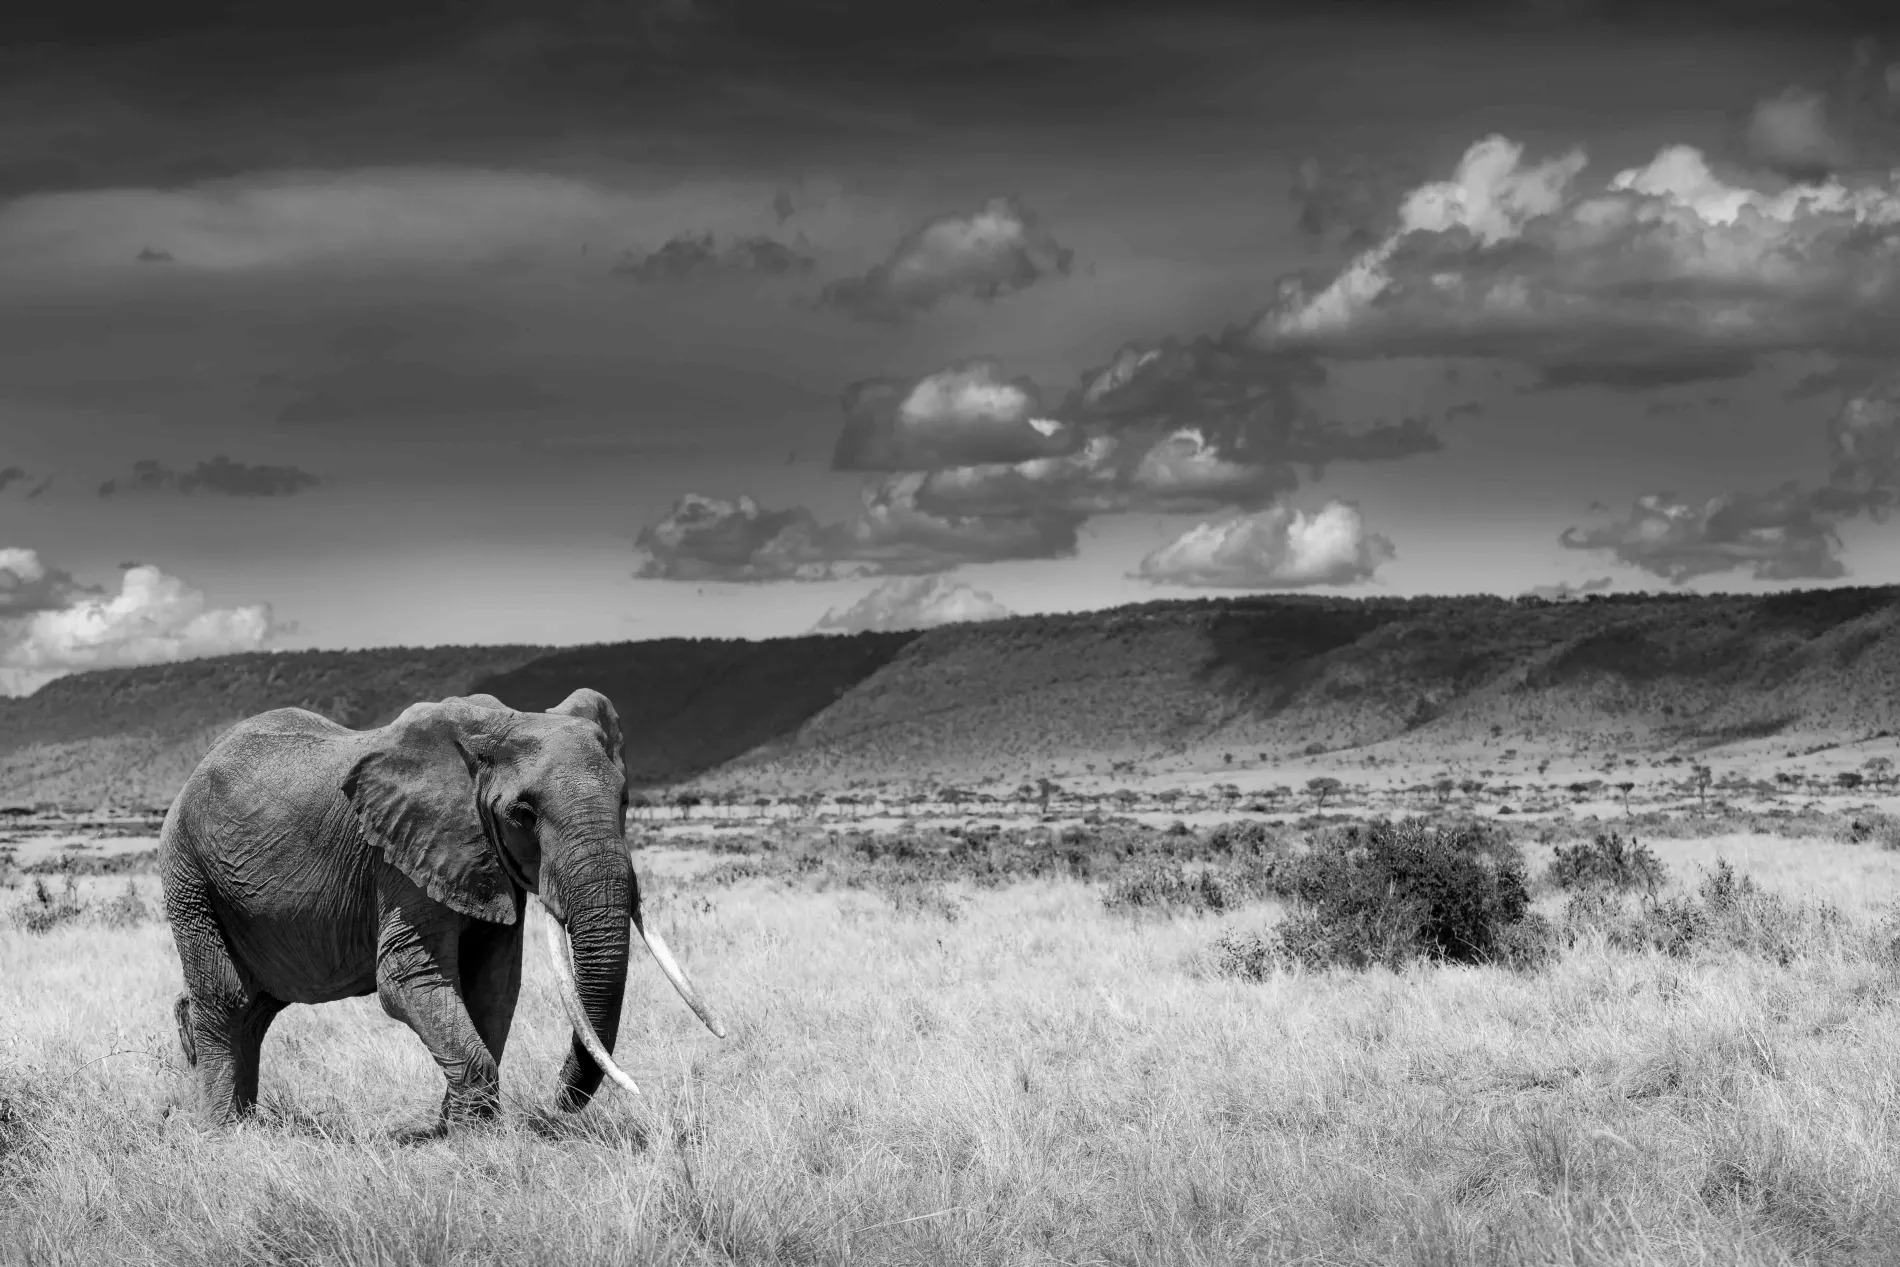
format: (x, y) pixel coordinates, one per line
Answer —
(677, 976)
(571, 1000)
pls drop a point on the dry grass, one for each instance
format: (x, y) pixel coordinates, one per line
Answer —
(1034, 1081)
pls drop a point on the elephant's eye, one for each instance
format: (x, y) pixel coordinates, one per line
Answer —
(522, 815)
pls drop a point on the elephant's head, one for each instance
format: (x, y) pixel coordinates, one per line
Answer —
(480, 805)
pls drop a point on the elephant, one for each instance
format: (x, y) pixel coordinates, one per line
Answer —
(304, 862)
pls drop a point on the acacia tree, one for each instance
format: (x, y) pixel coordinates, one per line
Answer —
(1700, 776)
(1323, 787)
(1626, 787)
(1879, 770)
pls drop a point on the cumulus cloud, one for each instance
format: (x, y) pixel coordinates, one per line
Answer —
(50, 626)
(965, 414)
(1665, 263)
(1276, 548)
(220, 475)
(1864, 435)
(922, 602)
(1253, 405)
(1806, 134)
(993, 252)
(693, 256)
(1786, 534)
(1180, 473)
(28, 585)
(708, 539)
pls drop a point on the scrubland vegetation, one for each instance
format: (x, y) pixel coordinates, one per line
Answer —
(1380, 1042)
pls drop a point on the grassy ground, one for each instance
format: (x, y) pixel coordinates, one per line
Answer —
(1009, 1076)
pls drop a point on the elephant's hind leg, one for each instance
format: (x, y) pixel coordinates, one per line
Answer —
(222, 1018)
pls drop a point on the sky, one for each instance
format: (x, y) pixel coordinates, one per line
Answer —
(347, 325)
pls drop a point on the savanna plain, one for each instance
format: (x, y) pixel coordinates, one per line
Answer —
(1096, 1039)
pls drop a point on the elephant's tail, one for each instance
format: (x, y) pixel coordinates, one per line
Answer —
(182, 1009)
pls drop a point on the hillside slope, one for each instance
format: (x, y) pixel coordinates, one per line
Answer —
(688, 705)
(132, 736)
(1259, 678)
(1173, 680)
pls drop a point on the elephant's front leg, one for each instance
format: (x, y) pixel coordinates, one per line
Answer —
(418, 980)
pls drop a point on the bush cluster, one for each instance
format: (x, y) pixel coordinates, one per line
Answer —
(45, 910)
(1729, 911)
(1608, 861)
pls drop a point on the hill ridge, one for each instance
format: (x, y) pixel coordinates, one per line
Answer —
(1188, 680)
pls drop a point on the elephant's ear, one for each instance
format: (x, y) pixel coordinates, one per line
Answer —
(597, 708)
(415, 794)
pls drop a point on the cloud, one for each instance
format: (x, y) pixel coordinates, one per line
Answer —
(986, 255)
(965, 414)
(1347, 199)
(1790, 134)
(1864, 436)
(1667, 265)
(11, 475)
(1565, 592)
(219, 475)
(370, 217)
(1181, 473)
(694, 256)
(28, 585)
(1276, 548)
(894, 533)
(1806, 134)
(707, 539)
(154, 618)
(1786, 534)
(922, 602)
(1253, 405)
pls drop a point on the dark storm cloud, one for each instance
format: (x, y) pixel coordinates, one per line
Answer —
(992, 252)
(707, 539)
(220, 475)
(694, 256)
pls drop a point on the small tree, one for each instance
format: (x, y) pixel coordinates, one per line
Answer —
(1472, 787)
(1626, 787)
(1323, 787)
(1849, 780)
(1879, 769)
(1444, 787)
(684, 802)
(1700, 776)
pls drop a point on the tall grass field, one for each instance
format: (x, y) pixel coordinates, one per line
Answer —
(1072, 1066)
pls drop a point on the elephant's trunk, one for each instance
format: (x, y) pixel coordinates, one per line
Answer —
(577, 1010)
(596, 929)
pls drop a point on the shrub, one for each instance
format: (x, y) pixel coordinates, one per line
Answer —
(1609, 861)
(128, 910)
(1393, 892)
(45, 912)
(1167, 887)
